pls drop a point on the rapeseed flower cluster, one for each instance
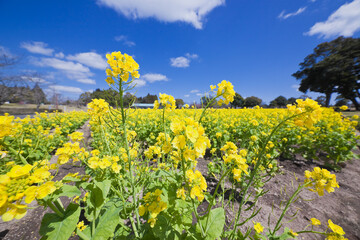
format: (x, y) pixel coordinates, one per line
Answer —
(20, 182)
(320, 180)
(152, 204)
(309, 106)
(166, 101)
(197, 183)
(6, 126)
(225, 89)
(122, 66)
(337, 232)
(236, 160)
(110, 162)
(76, 136)
(97, 108)
(68, 151)
(190, 138)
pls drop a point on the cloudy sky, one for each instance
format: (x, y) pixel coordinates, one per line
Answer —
(182, 46)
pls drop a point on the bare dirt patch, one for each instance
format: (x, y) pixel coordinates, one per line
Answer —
(341, 206)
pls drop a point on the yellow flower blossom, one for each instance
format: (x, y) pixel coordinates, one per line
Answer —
(315, 222)
(258, 227)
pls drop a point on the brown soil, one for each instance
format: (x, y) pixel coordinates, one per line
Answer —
(342, 206)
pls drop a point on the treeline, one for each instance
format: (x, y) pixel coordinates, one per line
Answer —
(112, 97)
(278, 102)
(23, 94)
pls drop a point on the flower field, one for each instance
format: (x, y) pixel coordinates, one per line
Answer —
(168, 173)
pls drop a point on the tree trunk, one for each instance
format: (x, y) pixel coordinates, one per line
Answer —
(328, 97)
(356, 104)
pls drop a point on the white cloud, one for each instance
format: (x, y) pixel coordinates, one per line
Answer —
(37, 47)
(200, 94)
(186, 95)
(194, 91)
(68, 89)
(59, 55)
(72, 70)
(124, 39)
(149, 78)
(154, 77)
(139, 83)
(191, 56)
(90, 59)
(189, 11)
(183, 62)
(344, 21)
(282, 15)
(86, 81)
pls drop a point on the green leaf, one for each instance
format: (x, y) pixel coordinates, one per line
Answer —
(68, 191)
(215, 223)
(55, 227)
(106, 224)
(98, 192)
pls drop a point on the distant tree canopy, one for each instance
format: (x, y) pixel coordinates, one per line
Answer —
(291, 100)
(147, 99)
(179, 102)
(252, 101)
(280, 101)
(26, 94)
(332, 67)
(238, 101)
(112, 97)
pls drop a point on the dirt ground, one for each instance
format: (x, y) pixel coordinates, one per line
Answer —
(342, 206)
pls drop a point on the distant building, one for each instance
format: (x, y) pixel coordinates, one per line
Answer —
(142, 105)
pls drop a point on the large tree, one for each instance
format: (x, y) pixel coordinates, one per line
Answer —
(332, 67)
(280, 101)
(238, 101)
(252, 101)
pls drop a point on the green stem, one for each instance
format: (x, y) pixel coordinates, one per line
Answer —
(214, 197)
(308, 231)
(52, 206)
(93, 223)
(203, 234)
(123, 116)
(59, 205)
(295, 194)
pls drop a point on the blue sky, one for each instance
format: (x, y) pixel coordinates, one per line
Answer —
(182, 46)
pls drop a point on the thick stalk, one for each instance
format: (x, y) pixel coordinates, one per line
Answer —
(123, 116)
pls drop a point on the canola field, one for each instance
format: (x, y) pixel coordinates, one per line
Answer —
(142, 180)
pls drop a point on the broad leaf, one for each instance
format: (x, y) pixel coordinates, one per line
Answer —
(55, 227)
(215, 224)
(106, 224)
